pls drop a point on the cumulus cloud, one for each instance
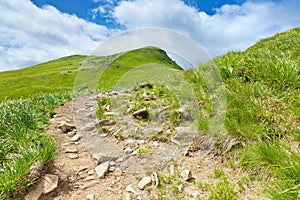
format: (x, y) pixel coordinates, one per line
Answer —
(232, 27)
(30, 35)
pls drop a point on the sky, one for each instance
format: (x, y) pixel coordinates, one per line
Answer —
(40, 30)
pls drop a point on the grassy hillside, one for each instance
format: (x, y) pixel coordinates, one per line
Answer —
(263, 111)
(59, 75)
(262, 125)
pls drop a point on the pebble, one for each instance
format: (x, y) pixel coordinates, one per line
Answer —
(90, 197)
(71, 151)
(75, 138)
(73, 156)
(90, 184)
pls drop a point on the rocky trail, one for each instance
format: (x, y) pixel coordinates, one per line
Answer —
(103, 158)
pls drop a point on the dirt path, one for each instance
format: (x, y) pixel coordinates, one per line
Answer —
(77, 159)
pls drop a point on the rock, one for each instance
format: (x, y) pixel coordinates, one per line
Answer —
(146, 85)
(35, 170)
(73, 156)
(72, 133)
(180, 187)
(106, 122)
(89, 178)
(117, 172)
(102, 169)
(36, 192)
(110, 113)
(88, 127)
(90, 115)
(141, 142)
(193, 192)
(90, 197)
(175, 141)
(186, 174)
(128, 150)
(139, 197)
(155, 179)
(71, 151)
(127, 196)
(172, 169)
(75, 138)
(65, 127)
(90, 184)
(91, 172)
(50, 183)
(142, 113)
(146, 181)
(105, 156)
(131, 189)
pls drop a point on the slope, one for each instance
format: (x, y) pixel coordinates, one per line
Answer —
(59, 75)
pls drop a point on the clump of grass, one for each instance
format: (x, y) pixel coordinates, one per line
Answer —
(223, 190)
(22, 143)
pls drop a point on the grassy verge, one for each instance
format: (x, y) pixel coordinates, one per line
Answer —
(21, 140)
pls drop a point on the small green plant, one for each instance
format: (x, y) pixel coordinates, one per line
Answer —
(143, 150)
(223, 191)
(204, 186)
(218, 173)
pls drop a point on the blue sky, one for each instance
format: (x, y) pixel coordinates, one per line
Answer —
(40, 30)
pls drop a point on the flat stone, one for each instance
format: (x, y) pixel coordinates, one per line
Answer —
(90, 184)
(71, 151)
(140, 113)
(131, 189)
(75, 138)
(88, 127)
(146, 181)
(110, 113)
(105, 156)
(73, 156)
(102, 169)
(50, 183)
(91, 172)
(89, 178)
(186, 174)
(106, 122)
(90, 197)
(65, 127)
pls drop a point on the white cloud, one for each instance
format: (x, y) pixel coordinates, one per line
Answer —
(30, 35)
(232, 27)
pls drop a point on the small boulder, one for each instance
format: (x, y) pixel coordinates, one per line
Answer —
(146, 181)
(186, 174)
(141, 114)
(102, 169)
(50, 183)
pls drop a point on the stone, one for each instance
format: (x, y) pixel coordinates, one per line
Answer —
(128, 150)
(88, 127)
(89, 178)
(146, 85)
(155, 179)
(131, 189)
(91, 172)
(65, 127)
(73, 156)
(186, 174)
(127, 196)
(139, 197)
(105, 156)
(146, 181)
(106, 122)
(90, 115)
(71, 151)
(142, 113)
(90, 197)
(110, 113)
(117, 172)
(102, 169)
(75, 138)
(50, 183)
(90, 184)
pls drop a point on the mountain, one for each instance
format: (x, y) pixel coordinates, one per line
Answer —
(59, 75)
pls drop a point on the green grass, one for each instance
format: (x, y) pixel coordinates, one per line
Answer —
(78, 71)
(262, 87)
(22, 142)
